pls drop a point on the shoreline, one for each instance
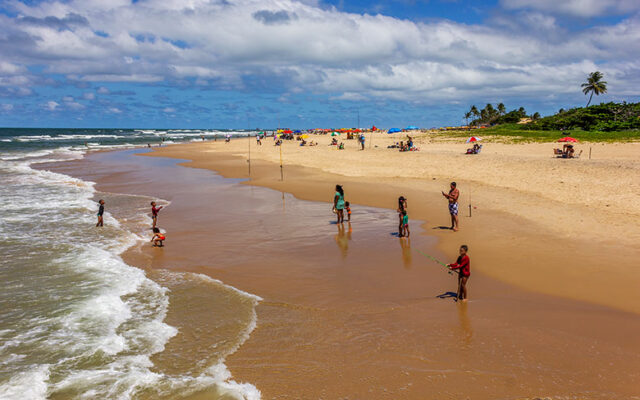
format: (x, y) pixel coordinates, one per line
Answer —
(508, 247)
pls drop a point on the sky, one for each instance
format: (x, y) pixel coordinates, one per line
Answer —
(265, 64)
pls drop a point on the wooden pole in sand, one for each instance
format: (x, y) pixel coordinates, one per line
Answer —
(589, 152)
(281, 169)
(469, 205)
(249, 160)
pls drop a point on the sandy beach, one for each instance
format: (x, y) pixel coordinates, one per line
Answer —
(563, 227)
(354, 312)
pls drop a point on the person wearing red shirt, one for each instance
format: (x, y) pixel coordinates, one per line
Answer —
(154, 213)
(463, 265)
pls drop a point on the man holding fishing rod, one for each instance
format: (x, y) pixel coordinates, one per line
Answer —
(462, 264)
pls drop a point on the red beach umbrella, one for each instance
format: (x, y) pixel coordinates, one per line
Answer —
(473, 139)
(568, 139)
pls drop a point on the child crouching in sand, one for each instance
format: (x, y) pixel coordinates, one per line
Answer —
(463, 265)
(158, 238)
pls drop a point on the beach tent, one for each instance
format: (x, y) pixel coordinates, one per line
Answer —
(411, 128)
(568, 139)
(394, 130)
(473, 139)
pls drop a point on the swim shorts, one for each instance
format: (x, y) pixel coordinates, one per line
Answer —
(453, 208)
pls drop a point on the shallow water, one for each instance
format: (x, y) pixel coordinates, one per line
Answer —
(75, 320)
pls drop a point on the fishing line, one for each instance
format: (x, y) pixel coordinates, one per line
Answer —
(437, 261)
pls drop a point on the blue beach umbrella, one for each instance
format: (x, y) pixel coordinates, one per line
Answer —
(394, 130)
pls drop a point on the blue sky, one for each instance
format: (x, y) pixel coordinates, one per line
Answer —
(305, 63)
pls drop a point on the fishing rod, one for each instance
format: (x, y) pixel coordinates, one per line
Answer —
(437, 261)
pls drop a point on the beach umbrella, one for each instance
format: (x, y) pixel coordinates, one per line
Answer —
(473, 139)
(287, 131)
(335, 134)
(374, 128)
(411, 128)
(305, 136)
(568, 139)
(297, 132)
(394, 130)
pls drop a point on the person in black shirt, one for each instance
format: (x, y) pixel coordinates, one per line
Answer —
(100, 212)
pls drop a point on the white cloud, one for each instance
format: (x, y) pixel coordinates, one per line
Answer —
(6, 107)
(300, 46)
(51, 105)
(169, 110)
(88, 96)
(115, 110)
(580, 8)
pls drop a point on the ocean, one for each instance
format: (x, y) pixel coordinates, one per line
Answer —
(75, 320)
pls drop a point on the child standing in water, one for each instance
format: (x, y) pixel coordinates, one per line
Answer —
(347, 208)
(463, 265)
(158, 238)
(402, 206)
(154, 213)
(100, 212)
(405, 224)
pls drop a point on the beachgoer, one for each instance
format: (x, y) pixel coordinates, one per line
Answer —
(405, 224)
(158, 238)
(362, 139)
(402, 206)
(452, 196)
(347, 207)
(338, 203)
(154, 212)
(341, 147)
(463, 265)
(100, 212)
(259, 140)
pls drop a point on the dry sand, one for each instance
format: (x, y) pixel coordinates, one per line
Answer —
(568, 228)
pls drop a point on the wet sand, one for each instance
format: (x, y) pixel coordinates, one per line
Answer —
(354, 313)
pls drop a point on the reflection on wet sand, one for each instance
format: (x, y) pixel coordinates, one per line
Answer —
(405, 244)
(342, 239)
(465, 324)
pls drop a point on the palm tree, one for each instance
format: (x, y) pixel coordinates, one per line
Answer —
(468, 115)
(594, 85)
(535, 116)
(474, 111)
(501, 109)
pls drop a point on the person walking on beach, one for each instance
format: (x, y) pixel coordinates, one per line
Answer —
(338, 203)
(402, 206)
(452, 196)
(361, 139)
(154, 213)
(100, 212)
(463, 265)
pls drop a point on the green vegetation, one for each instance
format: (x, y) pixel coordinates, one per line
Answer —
(515, 133)
(606, 117)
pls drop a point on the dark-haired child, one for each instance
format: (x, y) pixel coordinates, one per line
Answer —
(100, 213)
(405, 224)
(158, 238)
(154, 212)
(463, 265)
(347, 208)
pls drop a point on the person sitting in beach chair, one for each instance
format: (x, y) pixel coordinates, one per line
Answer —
(475, 149)
(334, 142)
